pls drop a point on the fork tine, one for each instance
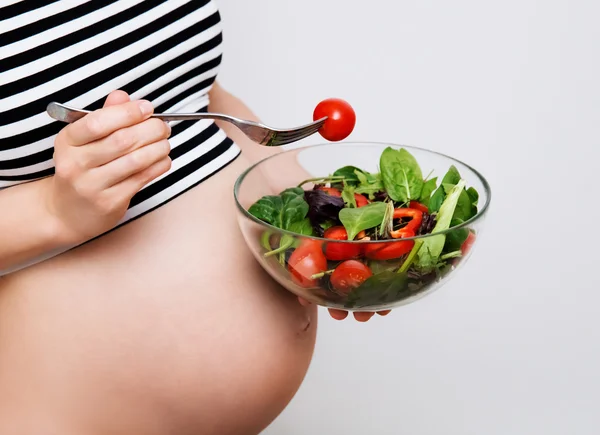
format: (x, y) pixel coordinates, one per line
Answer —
(308, 130)
(305, 132)
(296, 136)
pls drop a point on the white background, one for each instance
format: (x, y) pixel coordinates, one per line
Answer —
(511, 345)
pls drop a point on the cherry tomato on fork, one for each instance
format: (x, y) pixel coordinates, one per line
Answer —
(341, 118)
(340, 251)
(349, 275)
(307, 260)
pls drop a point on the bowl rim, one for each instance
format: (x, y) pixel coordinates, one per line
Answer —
(480, 212)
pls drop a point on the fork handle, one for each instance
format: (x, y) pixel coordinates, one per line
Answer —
(64, 113)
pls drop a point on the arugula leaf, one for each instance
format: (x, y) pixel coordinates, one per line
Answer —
(348, 196)
(381, 288)
(357, 219)
(401, 175)
(349, 174)
(432, 247)
(369, 184)
(428, 188)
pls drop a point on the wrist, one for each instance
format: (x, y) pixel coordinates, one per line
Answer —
(55, 230)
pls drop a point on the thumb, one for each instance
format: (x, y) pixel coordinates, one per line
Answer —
(116, 97)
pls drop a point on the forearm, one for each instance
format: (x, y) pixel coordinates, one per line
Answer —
(222, 101)
(27, 229)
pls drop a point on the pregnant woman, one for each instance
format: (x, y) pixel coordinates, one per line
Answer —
(128, 302)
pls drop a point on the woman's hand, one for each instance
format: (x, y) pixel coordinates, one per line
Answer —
(102, 161)
(223, 102)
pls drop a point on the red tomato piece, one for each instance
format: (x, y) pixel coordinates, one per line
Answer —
(349, 275)
(468, 243)
(361, 200)
(307, 260)
(331, 191)
(341, 118)
(340, 251)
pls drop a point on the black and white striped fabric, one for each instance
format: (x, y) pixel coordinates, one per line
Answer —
(76, 52)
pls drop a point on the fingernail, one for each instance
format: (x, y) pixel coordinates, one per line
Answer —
(168, 127)
(146, 107)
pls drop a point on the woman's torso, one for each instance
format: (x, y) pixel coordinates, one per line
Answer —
(165, 325)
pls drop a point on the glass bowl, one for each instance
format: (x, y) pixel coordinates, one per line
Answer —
(296, 261)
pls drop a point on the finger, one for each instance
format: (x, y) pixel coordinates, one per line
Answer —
(337, 314)
(363, 316)
(100, 123)
(124, 167)
(384, 312)
(132, 185)
(123, 142)
(304, 302)
(116, 97)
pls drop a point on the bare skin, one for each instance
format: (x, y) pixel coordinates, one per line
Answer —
(164, 326)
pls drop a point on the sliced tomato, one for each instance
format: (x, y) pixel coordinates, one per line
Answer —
(340, 251)
(349, 275)
(307, 260)
(361, 200)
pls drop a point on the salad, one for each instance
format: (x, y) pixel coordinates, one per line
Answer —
(392, 207)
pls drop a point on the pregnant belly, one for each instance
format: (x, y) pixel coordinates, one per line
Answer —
(166, 325)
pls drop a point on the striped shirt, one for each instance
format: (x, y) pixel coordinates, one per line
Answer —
(76, 52)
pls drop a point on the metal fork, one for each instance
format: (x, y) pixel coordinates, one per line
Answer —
(257, 132)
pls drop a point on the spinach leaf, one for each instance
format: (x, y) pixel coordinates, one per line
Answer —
(432, 247)
(303, 227)
(428, 188)
(381, 288)
(401, 175)
(348, 196)
(357, 219)
(450, 179)
(349, 174)
(286, 211)
(464, 208)
(294, 207)
(436, 200)
(268, 209)
(452, 176)
(455, 238)
(474, 195)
